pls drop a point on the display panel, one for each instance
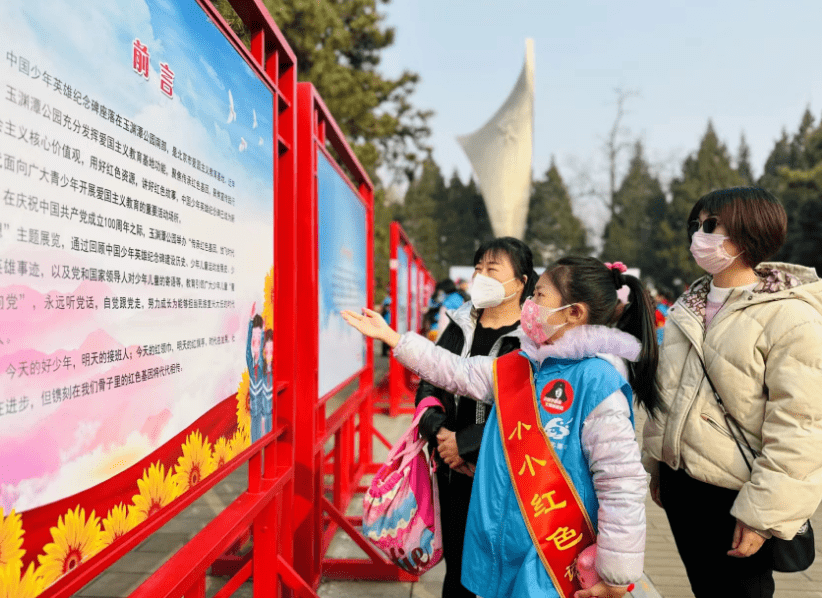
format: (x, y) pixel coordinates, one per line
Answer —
(136, 249)
(343, 275)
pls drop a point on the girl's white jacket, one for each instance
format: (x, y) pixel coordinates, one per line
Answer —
(608, 436)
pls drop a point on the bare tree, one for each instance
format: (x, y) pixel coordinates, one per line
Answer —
(615, 143)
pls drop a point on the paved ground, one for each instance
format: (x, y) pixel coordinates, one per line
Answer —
(664, 574)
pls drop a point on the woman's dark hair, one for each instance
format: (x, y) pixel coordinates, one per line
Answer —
(447, 286)
(755, 220)
(589, 281)
(257, 321)
(520, 256)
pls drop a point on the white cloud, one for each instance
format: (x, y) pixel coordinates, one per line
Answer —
(212, 73)
(84, 433)
(78, 474)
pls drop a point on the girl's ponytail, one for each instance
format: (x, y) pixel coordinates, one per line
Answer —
(638, 320)
(588, 280)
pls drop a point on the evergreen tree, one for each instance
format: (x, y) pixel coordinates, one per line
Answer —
(422, 217)
(743, 162)
(794, 174)
(385, 211)
(552, 229)
(798, 148)
(464, 223)
(780, 156)
(484, 231)
(635, 213)
(807, 248)
(709, 169)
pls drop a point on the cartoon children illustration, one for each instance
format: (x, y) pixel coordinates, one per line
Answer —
(267, 398)
(254, 360)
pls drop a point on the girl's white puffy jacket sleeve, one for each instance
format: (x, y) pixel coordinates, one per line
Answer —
(471, 377)
(610, 445)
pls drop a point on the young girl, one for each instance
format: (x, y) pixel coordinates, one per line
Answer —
(554, 475)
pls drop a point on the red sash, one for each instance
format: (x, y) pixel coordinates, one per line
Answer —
(549, 503)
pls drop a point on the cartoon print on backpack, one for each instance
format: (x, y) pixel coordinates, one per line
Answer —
(557, 396)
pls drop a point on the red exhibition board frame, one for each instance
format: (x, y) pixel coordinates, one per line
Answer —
(350, 425)
(402, 251)
(266, 505)
(304, 471)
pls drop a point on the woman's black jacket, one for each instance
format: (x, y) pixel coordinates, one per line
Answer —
(462, 419)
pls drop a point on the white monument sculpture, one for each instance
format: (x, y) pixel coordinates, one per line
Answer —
(501, 151)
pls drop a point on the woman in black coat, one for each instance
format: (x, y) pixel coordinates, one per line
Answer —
(487, 325)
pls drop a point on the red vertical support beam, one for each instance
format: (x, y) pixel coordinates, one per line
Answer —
(255, 463)
(395, 370)
(307, 479)
(263, 530)
(406, 373)
(285, 283)
(366, 439)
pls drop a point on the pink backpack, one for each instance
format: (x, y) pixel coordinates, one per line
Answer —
(401, 509)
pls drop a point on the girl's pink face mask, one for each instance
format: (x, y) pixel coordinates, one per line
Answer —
(534, 321)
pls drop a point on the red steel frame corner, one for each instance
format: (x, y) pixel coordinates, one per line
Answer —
(266, 505)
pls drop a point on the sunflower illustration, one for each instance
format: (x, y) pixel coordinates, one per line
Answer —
(222, 452)
(196, 463)
(268, 306)
(240, 441)
(14, 586)
(118, 522)
(243, 403)
(11, 542)
(156, 490)
(75, 539)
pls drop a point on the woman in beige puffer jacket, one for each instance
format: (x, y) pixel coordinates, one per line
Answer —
(757, 327)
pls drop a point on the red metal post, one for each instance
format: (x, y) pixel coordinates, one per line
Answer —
(308, 487)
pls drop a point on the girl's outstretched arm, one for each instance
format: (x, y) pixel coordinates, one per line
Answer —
(472, 377)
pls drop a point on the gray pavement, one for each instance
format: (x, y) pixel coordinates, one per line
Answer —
(664, 574)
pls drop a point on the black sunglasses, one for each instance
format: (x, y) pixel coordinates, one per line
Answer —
(708, 226)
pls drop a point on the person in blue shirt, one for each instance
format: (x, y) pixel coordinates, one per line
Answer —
(385, 310)
(451, 298)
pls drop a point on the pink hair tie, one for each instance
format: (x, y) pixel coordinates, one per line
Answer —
(617, 266)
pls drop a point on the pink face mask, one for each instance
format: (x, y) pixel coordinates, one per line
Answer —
(533, 320)
(709, 252)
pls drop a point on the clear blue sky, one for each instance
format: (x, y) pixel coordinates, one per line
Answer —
(747, 65)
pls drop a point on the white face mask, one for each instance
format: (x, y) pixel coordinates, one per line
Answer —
(488, 292)
(709, 252)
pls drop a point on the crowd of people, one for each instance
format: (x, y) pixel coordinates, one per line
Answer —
(538, 377)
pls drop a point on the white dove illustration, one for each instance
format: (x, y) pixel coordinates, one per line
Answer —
(260, 142)
(255, 118)
(243, 144)
(232, 116)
